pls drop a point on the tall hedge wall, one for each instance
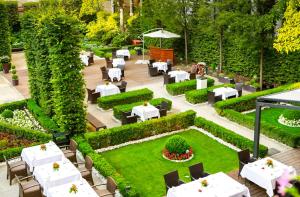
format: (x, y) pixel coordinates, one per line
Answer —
(13, 15)
(5, 48)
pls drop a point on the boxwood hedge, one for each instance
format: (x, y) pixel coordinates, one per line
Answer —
(229, 136)
(182, 87)
(107, 102)
(119, 109)
(200, 96)
(126, 133)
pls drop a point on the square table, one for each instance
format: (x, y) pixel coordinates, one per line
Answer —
(115, 73)
(160, 66)
(219, 185)
(119, 63)
(179, 75)
(49, 178)
(226, 92)
(145, 112)
(259, 173)
(123, 52)
(34, 156)
(84, 190)
(107, 90)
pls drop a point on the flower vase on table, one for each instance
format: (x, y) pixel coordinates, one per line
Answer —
(55, 166)
(270, 163)
(43, 147)
(73, 189)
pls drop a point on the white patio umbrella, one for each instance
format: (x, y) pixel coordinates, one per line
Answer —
(160, 33)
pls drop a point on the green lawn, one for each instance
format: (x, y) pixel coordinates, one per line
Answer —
(271, 116)
(143, 165)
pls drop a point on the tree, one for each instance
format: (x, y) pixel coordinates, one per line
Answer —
(89, 9)
(288, 39)
(5, 48)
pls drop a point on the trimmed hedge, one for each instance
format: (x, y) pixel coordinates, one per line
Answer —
(229, 136)
(126, 133)
(247, 102)
(45, 121)
(104, 167)
(268, 129)
(13, 105)
(200, 96)
(182, 87)
(119, 109)
(107, 102)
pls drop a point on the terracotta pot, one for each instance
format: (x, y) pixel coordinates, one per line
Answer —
(15, 82)
(6, 68)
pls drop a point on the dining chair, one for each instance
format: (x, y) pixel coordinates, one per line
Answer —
(110, 189)
(122, 86)
(104, 73)
(86, 169)
(153, 71)
(192, 76)
(197, 171)
(129, 119)
(70, 151)
(244, 158)
(172, 180)
(239, 88)
(168, 79)
(30, 188)
(61, 138)
(15, 166)
(92, 95)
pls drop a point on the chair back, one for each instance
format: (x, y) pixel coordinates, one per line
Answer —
(21, 189)
(192, 76)
(164, 105)
(151, 61)
(61, 138)
(196, 171)
(124, 84)
(153, 71)
(111, 185)
(73, 145)
(6, 161)
(103, 68)
(166, 78)
(88, 162)
(162, 112)
(169, 67)
(244, 156)
(172, 179)
(239, 86)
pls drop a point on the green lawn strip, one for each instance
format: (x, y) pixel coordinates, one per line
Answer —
(142, 164)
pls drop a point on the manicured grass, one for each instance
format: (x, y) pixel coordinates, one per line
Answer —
(271, 115)
(143, 164)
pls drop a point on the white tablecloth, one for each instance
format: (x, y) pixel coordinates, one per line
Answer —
(123, 52)
(226, 92)
(161, 66)
(84, 59)
(84, 190)
(48, 178)
(145, 112)
(219, 185)
(114, 73)
(262, 175)
(107, 90)
(118, 62)
(179, 75)
(34, 156)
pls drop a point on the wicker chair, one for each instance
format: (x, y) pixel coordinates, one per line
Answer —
(172, 180)
(212, 98)
(239, 88)
(30, 188)
(244, 158)
(114, 53)
(70, 151)
(93, 96)
(86, 169)
(122, 86)
(109, 64)
(168, 79)
(15, 168)
(104, 73)
(153, 71)
(192, 76)
(110, 189)
(61, 138)
(162, 112)
(129, 119)
(151, 61)
(197, 171)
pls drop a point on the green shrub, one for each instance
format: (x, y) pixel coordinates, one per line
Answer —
(107, 102)
(126, 133)
(3, 143)
(30, 5)
(291, 114)
(5, 47)
(13, 105)
(45, 121)
(15, 77)
(13, 71)
(177, 144)
(200, 96)
(7, 113)
(182, 87)
(119, 109)
(229, 136)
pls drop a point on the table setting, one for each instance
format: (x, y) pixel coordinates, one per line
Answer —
(145, 111)
(179, 75)
(107, 89)
(226, 92)
(115, 73)
(161, 66)
(123, 52)
(118, 63)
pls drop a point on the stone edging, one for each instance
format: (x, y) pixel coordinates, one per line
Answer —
(178, 161)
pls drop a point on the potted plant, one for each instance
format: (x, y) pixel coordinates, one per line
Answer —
(15, 80)
(5, 61)
(138, 50)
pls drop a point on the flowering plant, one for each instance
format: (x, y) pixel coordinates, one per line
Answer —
(73, 189)
(176, 156)
(43, 147)
(270, 163)
(55, 166)
(204, 183)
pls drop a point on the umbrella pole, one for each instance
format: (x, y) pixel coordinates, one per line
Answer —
(143, 48)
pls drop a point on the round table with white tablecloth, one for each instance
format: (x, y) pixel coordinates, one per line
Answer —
(119, 63)
(123, 53)
(163, 66)
(145, 112)
(115, 73)
(179, 75)
(226, 92)
(107, 90)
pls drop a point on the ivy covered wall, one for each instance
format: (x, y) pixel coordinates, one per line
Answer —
(5, 48)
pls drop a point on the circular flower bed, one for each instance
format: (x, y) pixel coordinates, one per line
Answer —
(290, 118)
(177, 149)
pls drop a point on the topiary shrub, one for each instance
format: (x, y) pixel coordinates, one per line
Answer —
(7, 113)
(177, 148)
(290, 118)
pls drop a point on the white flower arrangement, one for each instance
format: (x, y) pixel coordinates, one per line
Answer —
(24, 119)
(287, 122)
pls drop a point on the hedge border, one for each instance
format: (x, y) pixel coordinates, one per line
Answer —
(229, 136)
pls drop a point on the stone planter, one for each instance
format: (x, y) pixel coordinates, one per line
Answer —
(226, 80)
(250, 88)
(6, 68)
(201, 82)
(15, 82)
